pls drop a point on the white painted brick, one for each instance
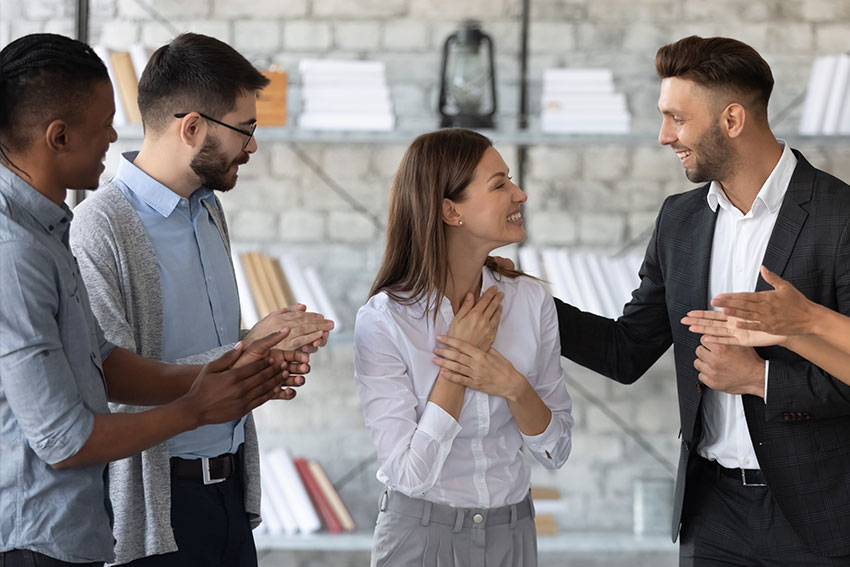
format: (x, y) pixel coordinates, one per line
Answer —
(822, 10)
(359, 8)
(219, 29)
(119, 34)
(387, 158)
(546, 162)
(656, 163)
(605, 162)
(254, 225)
(832, 38)
(21, 28)
(168, 9)
(306, 35)
(61, 26)
(406, 35)
(350, 227)
(154, 34)
(257, 166)
(101, 9)
(746, 10)
(598, 448)
(298, 226)
(48, 9)
(285, 164)
(270, 9)
(557, 37)
(357, 35)
(645, 39)
(454, 10)
(629, 12)
(598, 229)
(343, 162)
(791, 37)
(259, 194)
(657, 415)
(553, 228)
(641, 224)
(638, 194)
(410, 100)
(256, 35)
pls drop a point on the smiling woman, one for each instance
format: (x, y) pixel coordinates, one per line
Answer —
(453, 386)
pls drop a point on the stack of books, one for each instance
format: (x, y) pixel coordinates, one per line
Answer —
(590, 281)
(297, 497)
(268, 283)
(125, 68)
(582, 101)
(827, 106)
(344, 95)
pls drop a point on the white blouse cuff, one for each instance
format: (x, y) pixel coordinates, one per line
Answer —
(438, 424)
(545, 443)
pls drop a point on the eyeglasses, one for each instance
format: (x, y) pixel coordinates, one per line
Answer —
(248, 133)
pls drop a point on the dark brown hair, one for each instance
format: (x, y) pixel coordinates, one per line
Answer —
(194, 73)
(721, 64)
(438, 165)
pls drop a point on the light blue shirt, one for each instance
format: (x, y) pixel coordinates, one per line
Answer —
(200, 303)
(51, 385)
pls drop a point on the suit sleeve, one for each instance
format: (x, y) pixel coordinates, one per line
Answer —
(796, 385)
(623, 349)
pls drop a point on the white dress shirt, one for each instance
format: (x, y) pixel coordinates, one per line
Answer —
(737, 253)
(424, 453)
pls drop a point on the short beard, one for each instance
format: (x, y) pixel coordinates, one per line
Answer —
(211, 166)
(715, 157)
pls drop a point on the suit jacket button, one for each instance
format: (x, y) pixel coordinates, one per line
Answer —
(699, 387)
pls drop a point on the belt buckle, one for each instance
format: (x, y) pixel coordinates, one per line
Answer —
(205, 471)
(744, 479)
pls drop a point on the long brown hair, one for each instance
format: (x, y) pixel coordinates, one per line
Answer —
(437, 165)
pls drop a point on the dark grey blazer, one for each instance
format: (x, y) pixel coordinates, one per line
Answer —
(802, 435)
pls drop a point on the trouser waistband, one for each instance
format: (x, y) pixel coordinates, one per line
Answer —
(459, 518)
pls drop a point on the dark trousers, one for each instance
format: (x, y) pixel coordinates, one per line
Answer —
(728, 524)
(210, 525)
(27, 558)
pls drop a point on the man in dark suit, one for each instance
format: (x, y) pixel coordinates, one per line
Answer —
(764, 472)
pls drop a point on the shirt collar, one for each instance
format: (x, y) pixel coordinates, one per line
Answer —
(159, 197)
(771, 193)
(54, 218)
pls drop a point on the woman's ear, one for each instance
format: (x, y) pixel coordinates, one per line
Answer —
(451, 216)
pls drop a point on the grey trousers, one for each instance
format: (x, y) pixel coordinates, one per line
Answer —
(412, 532)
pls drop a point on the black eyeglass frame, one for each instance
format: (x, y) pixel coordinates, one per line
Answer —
(248, 133)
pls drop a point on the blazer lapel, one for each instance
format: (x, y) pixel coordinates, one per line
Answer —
(792, 216)
(702, 239)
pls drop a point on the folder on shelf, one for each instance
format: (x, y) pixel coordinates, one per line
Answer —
(127, 84)
(120, 117)
(317, 496)
(284, 473)
(274, 502)
(271, 101)
(246, 301)
(817, 94)
(332, 496)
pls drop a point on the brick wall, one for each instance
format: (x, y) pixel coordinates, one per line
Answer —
(600, 194)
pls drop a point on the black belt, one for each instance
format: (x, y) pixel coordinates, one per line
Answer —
(208, 470)
(747, 477)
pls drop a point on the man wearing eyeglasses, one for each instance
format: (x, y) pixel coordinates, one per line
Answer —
(153, 248)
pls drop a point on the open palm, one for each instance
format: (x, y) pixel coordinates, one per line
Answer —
(722, 329)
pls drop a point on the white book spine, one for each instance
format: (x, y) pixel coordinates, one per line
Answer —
(274, 495)
(295, 276)
(837, 95)
(250, 317)
(296, 495)
(323, 302)
(817, 92)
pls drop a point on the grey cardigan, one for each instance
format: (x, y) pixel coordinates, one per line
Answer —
(118, 263)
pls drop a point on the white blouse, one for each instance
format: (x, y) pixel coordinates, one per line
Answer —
(475, 462)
